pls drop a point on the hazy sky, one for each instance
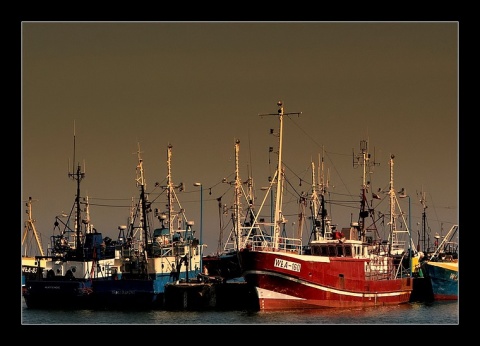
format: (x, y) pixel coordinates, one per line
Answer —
(200, 86)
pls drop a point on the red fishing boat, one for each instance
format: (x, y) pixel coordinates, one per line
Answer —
(336, 269)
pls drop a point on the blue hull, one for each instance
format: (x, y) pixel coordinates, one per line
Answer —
(132, 293)
(57, 294)
(444, 279)
(126, 294)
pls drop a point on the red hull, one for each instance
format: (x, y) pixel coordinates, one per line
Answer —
(285, 281)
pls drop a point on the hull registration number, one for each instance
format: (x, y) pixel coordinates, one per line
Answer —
(293, 266)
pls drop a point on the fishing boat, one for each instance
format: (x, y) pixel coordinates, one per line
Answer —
(75, 258)
(441, 268)
(336, 269)
(30, 265)
(224, 265)
(149, 257)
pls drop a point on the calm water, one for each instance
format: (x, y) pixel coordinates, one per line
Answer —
(437, 313)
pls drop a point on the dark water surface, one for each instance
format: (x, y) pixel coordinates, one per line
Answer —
(437, 313)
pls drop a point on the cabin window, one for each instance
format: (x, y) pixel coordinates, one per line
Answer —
(348, 251)
(332, 251)
(180, 251)
(340, 251)
(319, 250)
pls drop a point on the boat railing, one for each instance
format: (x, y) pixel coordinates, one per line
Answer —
(247, 234)
(170, 249)
(380, 274)
(381, 267)
(447, 242)
(267, 243)
(398, 247)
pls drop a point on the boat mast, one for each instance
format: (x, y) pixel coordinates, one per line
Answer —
(235, 240)
(323, 188)
(170, 190)
(391, 194)
(238, 191)
(278, 216)
(86, 220)
(250, 215)
(363, 159)
(171, 196)
(220, 245)
(394, 243)
(314, 206)
(78, 176)
(30, 227)
(279, 175)
(143, 198)
(320, 219)
(425, 244)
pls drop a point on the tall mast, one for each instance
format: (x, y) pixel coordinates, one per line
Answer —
(143, 198)
(236, 239)
(250, 200)
(314, 205)
(170, 191)
(78, 176)
(324, 184)
(30, 227)
(391, 194)
(279, 175)
(238, 191)
(423, 201)
(278, 216)
(86, 220)
(363, 159)
(317, 203)
(172, 198)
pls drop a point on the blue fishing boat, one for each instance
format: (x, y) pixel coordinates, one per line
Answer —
(148, 257)
(441, 268)
(75, 258)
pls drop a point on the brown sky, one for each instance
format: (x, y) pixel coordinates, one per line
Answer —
(200, 86)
